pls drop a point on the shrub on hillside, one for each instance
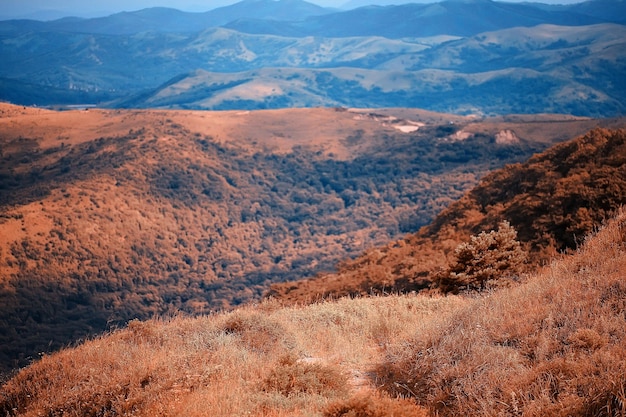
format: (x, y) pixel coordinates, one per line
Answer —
(484, 259)
(259, 333)
(294, 377)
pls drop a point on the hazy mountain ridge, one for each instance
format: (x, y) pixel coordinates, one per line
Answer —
(454, 17)
(514, 69)
(460, 18)
(164, 19)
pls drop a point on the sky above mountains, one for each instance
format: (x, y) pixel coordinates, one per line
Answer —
(51, 9)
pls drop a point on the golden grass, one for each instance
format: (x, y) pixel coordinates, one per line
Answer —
(555, 345)
(262, 360)
(552, 345)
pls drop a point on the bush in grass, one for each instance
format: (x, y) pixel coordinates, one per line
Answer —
(485, 258)
(292, 376)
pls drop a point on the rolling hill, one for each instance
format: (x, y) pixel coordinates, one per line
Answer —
(109, 215)
(542, 69)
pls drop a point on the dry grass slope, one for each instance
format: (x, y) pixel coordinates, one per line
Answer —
(261, 360)
(554, 345)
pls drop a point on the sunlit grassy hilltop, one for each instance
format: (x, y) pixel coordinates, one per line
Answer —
(554, 344)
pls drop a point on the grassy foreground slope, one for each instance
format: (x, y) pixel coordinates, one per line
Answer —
(552, 200)
(554, 344)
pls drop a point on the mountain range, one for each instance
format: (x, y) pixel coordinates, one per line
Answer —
(453, 17)
(465, 57)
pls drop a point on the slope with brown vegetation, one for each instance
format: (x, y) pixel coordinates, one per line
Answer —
(259, 360)
(554, 344)
(552, 200)
(106, 215)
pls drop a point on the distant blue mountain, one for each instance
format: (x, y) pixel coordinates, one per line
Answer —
(455, 54)
(301, 18)
(452, 17)
(285, 10)
(161, 19)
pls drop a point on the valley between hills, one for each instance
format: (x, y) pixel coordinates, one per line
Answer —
(551, 342)
(112, 215)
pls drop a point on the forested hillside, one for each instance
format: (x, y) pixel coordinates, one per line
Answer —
(553, 200)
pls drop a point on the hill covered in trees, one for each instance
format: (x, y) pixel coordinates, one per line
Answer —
(553, 200)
